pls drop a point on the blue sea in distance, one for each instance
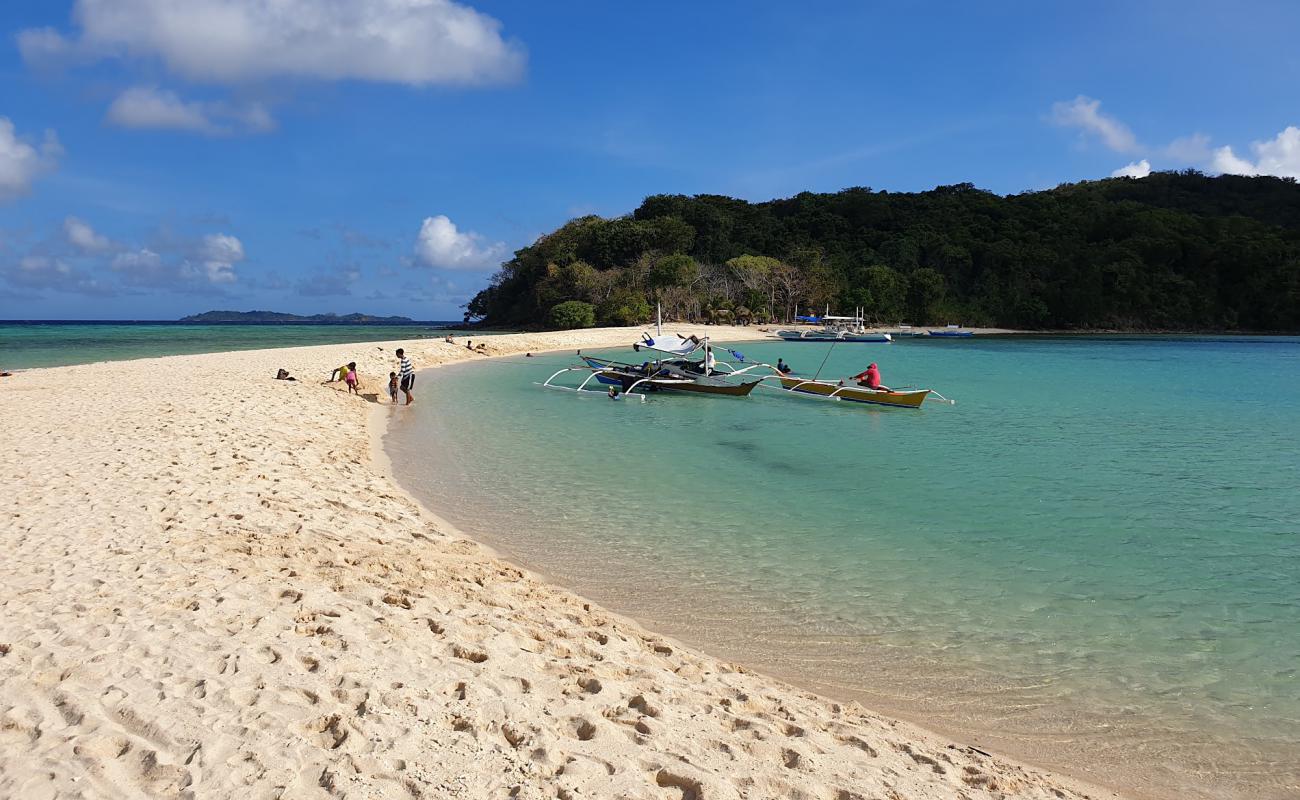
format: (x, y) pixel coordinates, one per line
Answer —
(24, 345)
(1091, 561)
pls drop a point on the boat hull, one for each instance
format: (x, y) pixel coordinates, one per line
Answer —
(721, 388)
(856, 394)
(952, 334)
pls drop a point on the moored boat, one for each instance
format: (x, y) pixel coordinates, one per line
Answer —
(835, 329)
(952, 331)
(676, 374)
(839, 390)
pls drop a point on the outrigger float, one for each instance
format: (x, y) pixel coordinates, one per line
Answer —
(711, 376)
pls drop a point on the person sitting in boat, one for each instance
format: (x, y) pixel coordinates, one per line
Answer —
(870, 378)
(783, 368)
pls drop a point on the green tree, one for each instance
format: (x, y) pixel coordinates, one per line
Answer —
(884, 293)
(674, 270)
(624, 307)
(572, 314)
(925, 292)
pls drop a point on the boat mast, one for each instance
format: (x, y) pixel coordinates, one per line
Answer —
(659, 319)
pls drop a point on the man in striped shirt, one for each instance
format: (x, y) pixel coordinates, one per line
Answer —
(406, 374)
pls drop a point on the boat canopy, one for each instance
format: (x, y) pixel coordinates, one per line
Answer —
(672, 343)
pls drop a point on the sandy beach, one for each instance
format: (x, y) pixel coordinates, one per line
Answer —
(213, 588)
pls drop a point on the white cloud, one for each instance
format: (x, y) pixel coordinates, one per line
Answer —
(43, 272)
(415, 42)
(440, 244)
(1279, 156)
(22, 162)
(1194, 149)
(43, 264)
(143, 259)
(219, 254)
(1085, 114)
(1135, 169)
(149, 107)
(83, 237)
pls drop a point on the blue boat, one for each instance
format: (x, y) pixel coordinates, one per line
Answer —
(953, 331)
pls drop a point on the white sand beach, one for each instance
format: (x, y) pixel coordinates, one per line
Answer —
(212, 588)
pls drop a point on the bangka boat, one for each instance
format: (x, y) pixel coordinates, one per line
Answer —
(838, 390)
(905, 331)
(677, 374)
(953, 331)
(834, 329)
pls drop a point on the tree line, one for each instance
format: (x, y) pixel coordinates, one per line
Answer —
(1171, 251)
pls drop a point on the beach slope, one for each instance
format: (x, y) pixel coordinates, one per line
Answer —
(212, 589)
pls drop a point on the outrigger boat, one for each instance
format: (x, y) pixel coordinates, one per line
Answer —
(835, 329)
(677, 374)
(953, 332)
(838, 390)
(710, 375)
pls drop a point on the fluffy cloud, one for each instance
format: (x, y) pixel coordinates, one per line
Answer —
(1085, 114)
(1279, 156)
(83, 237)
(45, 272)
(219, 253)
(148, 107)
(417, 42)
(138, 265)
(201, 267)
(440, 244)
(22, 162)
(1135, 169)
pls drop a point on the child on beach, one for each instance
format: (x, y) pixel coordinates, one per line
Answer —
(392, 387)
(351, 378)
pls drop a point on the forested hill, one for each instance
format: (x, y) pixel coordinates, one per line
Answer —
(1172, 251)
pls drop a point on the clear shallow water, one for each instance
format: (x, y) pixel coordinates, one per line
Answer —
(24, 345)
(1091, 561)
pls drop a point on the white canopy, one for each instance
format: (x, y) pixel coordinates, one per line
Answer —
(672, 343)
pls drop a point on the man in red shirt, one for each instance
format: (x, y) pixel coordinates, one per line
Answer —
(871, 379)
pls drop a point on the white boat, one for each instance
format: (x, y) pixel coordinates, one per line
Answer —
(835, 329)
(905, 331)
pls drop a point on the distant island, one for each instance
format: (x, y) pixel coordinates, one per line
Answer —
(280, 316)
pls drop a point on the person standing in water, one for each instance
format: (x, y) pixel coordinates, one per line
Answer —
(405, 376)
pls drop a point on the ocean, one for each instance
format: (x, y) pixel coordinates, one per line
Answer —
(25, 345)
(1091, 561)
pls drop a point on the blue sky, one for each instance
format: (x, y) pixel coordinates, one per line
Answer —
(159, 158)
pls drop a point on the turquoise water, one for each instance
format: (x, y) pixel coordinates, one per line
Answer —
(54, 344)
(1091, 561)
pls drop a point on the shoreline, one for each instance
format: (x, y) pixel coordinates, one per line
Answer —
(214, 590)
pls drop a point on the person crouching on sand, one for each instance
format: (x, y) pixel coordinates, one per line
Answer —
(392, 387)
(351, 378)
